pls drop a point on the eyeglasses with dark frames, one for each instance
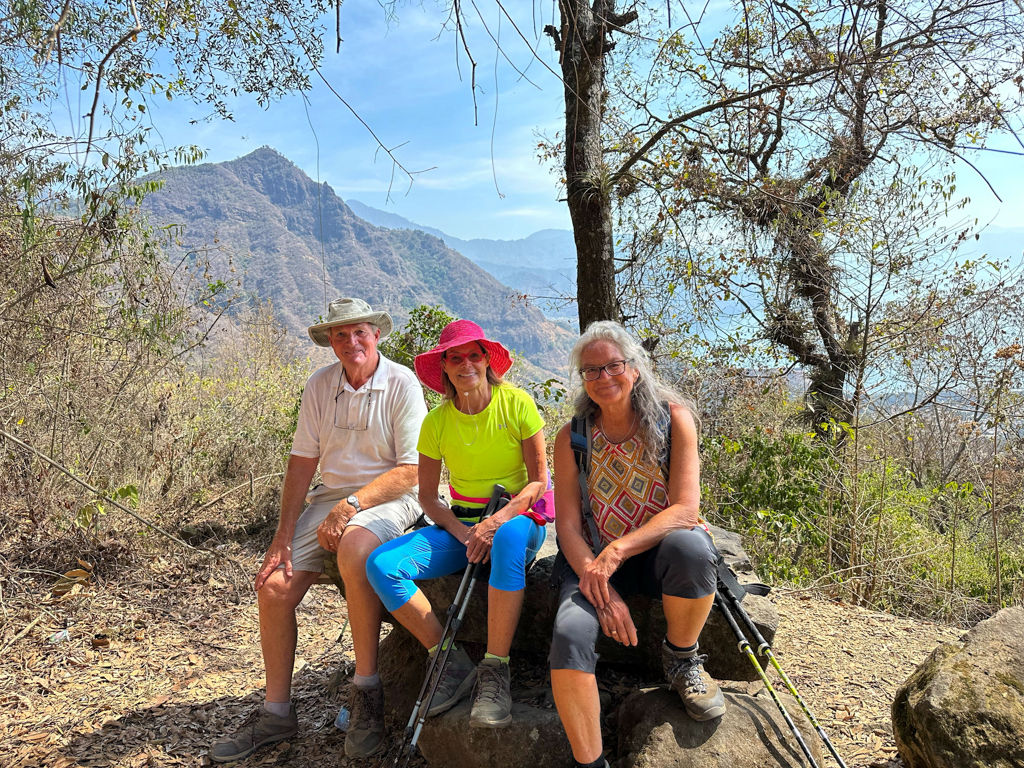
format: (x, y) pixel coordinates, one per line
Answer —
(614, 368)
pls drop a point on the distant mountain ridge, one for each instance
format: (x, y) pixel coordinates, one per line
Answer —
(541, 265)
(281, 232)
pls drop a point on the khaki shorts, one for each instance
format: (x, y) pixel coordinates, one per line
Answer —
(386, 521)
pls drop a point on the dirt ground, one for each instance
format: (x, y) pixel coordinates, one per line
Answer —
(161, 655)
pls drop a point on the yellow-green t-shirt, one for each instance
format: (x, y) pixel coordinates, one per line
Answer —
(485, 448)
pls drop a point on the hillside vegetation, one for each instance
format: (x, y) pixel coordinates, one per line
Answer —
(290, 241)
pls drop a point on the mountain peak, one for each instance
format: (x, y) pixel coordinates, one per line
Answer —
(301, 245)
(274, 175)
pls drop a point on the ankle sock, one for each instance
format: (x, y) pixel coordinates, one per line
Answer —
(599, 763)
(446, 644)
(692, 649)
(502, 659)
(366, 681)
(278, 708)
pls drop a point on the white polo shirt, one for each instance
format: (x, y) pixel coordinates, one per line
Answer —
(359, 434)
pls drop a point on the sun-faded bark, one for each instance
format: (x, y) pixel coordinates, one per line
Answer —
(583, 44)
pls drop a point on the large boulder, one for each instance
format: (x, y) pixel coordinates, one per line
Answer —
(964, 706)
(535, 739)
(533, 635)
(656, 732)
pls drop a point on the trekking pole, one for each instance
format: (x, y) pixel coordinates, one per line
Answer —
(744, 646)
(765, 650)
(456, 614)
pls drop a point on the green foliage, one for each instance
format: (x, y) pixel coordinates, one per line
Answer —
(549, 392)
(419, 334)
(769, 487)
(87, 517)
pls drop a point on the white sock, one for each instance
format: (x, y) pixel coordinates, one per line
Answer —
(279, 708)
(366, 681)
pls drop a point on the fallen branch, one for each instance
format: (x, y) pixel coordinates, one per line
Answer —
(21, 634)
(236, 488)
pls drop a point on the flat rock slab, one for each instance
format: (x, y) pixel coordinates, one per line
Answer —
(535, 739)
(964, 706)
(656, 732)
(533, 635)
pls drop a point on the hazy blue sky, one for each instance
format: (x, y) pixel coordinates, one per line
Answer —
(403, 81)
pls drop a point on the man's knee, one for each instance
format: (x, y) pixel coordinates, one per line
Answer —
(355, 547)
(281, 593)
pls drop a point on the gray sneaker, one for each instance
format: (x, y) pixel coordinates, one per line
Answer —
(366, 728)
(457, 679)
(700, 694)
(259, 729)
(493, 705)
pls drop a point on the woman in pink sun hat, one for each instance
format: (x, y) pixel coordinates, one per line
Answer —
(485, 431)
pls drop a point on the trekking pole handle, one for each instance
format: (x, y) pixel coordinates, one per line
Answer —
(734, 603)
(492, 504)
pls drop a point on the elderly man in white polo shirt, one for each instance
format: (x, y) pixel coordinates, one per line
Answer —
(359, 422)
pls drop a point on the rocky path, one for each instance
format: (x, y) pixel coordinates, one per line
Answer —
(177, 661)
(847, 663)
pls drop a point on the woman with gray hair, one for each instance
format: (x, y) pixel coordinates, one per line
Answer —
(636, 529)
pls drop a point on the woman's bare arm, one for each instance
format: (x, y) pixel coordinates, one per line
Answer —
(430, 501)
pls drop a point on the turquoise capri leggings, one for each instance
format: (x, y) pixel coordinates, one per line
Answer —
(427, 553)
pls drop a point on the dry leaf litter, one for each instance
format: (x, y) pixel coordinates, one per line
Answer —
(146, 666)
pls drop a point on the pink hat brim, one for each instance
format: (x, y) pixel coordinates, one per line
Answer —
(455, 334)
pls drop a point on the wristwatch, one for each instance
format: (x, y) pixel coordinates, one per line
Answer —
(354, 503)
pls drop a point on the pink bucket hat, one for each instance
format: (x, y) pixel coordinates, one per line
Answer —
(455, 334)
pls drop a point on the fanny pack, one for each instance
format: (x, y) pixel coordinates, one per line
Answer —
(542, 512)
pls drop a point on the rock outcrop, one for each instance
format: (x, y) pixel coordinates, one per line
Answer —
(964, 706)
(535, 739)
(651, 721)
(533, 635)
(656, 732)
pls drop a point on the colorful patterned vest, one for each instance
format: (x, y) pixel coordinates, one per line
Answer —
(625, 491)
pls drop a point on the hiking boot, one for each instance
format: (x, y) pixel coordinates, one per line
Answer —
(457, 679)
(493, 705)
(685, 672)
(260, 728)
(366, 724)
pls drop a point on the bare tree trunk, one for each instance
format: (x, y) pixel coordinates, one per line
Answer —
(582, 45)
(995, 511)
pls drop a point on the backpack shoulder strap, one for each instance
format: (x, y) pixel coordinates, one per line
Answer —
(665, 427)
(581, 438)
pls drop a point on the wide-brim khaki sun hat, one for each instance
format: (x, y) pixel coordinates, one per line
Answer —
(349, 312)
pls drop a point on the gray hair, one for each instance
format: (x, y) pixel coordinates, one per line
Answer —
(650, 396)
